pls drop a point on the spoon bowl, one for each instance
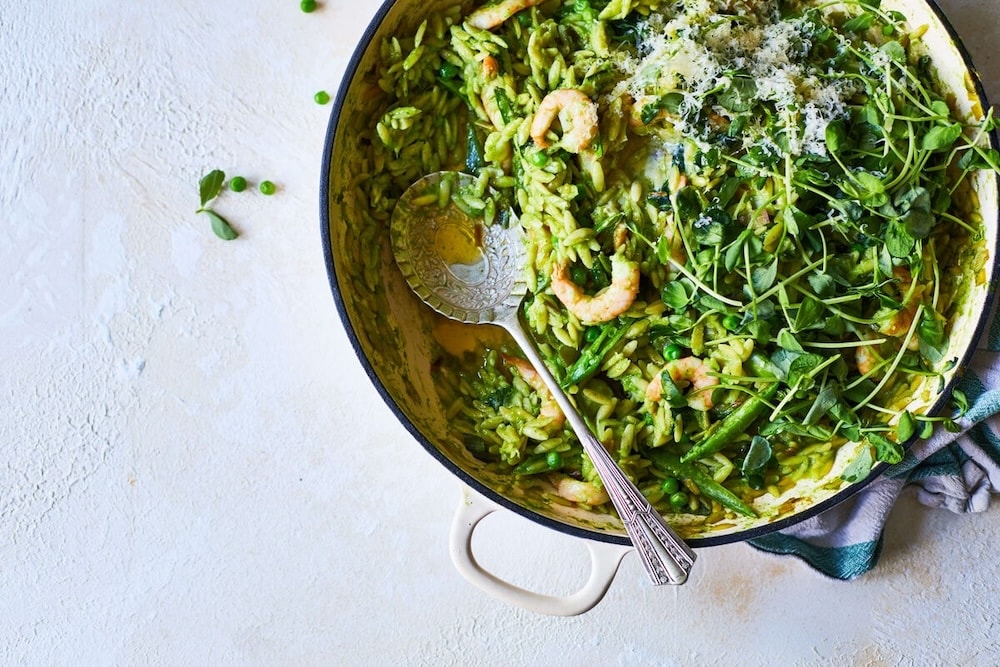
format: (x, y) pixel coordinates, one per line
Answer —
(463, 255)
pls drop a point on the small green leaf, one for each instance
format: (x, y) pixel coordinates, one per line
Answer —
(760, 331)
(871, 189)
(836, 136)
(663, 250)
(688, 203)
(885, 262)
(740, 95)
(871, 114)
(940, 109)
(931, 330)
(674, 295)
(671, 102)
(801, 369)
(828, 397)
(220, 226)
(757, 456)
(710, 227)
(727, 190)
(671, 392)
(822, 283)
(789, 343)
(906, 426)
(734, 253)
(914, 205)
(809, 315)
(860, 22)
(977, 158)
(859, 467)
(898, 241)
(960, 402)
(211, 185)
(885, 449)
(941, 137)
(895, 50)
(763, 277)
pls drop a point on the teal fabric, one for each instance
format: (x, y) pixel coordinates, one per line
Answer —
(845, 562)
(957, 472)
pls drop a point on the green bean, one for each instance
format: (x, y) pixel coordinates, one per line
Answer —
(671, 464)
(595, 352)
(723, 432)
(735, 423)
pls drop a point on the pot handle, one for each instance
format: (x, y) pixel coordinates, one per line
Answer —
(604, 562)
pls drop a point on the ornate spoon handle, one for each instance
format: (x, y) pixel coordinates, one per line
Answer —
(666, 557)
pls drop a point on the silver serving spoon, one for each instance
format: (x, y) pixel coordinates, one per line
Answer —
(472, 271)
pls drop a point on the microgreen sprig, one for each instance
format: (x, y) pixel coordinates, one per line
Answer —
(209, 187)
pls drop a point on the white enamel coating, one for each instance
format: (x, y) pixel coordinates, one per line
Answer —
(604, 562)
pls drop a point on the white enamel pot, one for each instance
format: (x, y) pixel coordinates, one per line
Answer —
(389, 329)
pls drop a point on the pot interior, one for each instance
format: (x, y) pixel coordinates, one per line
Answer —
(399, 340)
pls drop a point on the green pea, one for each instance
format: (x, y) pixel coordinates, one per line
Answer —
(237, 184)
(678, 501)
(670, 486)
(448, 71)
(553, 460)
(322, 97)
(267, 188)
(591, 334)
(539, 158)
(732, 322)
(579, 275)
(672, 352)
(308, 6)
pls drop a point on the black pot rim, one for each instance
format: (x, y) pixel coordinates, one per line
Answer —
(576, 531)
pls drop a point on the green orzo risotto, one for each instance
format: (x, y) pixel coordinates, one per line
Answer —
(744, 223)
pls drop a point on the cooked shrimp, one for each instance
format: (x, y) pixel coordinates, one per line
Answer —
(866, 359)
(549, 408)
(689, 370)
(577, 491)
(490, 67)
(900, 322)
(607, 304)
(577, 114)
(491, 16)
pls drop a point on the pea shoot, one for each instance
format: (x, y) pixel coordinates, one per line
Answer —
(209, 188)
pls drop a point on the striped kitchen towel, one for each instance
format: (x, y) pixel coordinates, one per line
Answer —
(955, 471)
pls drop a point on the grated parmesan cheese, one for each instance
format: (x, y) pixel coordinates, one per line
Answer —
(697, 52)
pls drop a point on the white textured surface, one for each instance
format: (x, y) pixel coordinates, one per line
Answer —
(195, 469)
